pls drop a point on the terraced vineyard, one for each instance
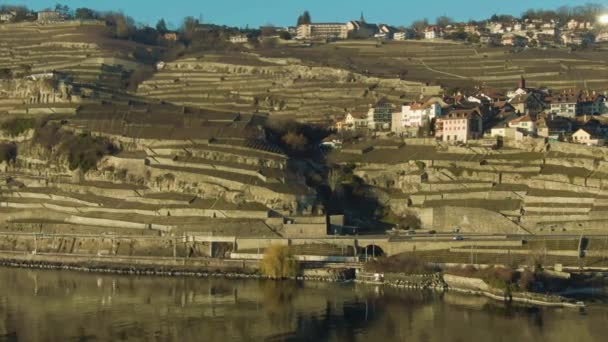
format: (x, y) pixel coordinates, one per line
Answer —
(554, 188)
(283, 87)
(79, 52)
(457, 65)
(178, 171)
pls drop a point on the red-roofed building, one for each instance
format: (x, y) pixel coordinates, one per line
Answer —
(460, 125)
(570, 103)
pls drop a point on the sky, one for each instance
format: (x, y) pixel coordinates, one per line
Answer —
(254, 13)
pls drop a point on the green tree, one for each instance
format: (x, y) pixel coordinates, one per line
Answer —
(443, 21)
(188, 29)
(84, 13)
(63, 9)
(278, 263)
(161, 26)
(304, 19)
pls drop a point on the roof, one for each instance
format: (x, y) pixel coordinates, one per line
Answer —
(462, 113)
(525, 118)
(521, 98)
(319, 24)
(564, 97)
(589, 132)
(505, 121)
(359, 115)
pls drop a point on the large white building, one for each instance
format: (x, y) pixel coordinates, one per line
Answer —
(417, 114)
(433, 32)
(322, 31)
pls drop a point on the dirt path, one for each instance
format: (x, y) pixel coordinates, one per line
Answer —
(442, 72)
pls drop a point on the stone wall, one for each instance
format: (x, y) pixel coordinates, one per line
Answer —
(474, 284)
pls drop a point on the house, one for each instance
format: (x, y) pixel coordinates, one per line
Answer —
(579, 25)
(472, 29)
(418, 114)
(433, 32)
(591, 103)
(502, 129)
(564, 104)
(570, 103)
(49, 16)
(530, 102)
(353, 121)
(322, 31)
(459, 125)
(402, 35)
(170, 36)
(6, 17)
(514, 40)
(553, 127)
(524, 123)
(587, 137)
(380, 115)
(239, 39)
(385, 32)
(489, 39)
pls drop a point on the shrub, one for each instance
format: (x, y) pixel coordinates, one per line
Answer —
(18, 126)
(83, 150)
(526, 280)
(278, 263)
(295, 141)
(8, 152)
(407, 265)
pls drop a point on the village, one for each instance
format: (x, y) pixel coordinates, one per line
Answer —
(569, 115)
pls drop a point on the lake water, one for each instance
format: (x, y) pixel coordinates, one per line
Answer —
(38, 305)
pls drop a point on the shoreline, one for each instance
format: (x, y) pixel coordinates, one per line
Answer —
(220, 268)
(156, 266)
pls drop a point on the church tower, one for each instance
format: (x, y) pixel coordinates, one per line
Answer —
(522, 83)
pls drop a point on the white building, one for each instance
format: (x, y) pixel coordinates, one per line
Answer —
(583, 136)
(417, 114)
(322, 31)
(239, 39)
(400, 36)
(433, 32)
(6, 17)
(524, 123)
(354, 121)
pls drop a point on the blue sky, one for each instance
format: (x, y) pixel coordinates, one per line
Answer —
(285, 12)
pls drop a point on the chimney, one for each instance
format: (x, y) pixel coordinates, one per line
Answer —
(522, 83)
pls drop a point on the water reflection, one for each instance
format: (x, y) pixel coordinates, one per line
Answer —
(60, 306)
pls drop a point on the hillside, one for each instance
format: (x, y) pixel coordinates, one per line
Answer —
(192, 142)
(531, 187)
(459, 65)
(170, 169)
(286, 88)
(81, 56)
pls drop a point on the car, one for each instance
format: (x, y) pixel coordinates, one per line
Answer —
(458, 238)
(411, 232)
